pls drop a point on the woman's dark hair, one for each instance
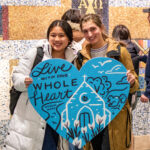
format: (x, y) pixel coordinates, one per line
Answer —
(73, 15)
(65, 27)
(121, 32)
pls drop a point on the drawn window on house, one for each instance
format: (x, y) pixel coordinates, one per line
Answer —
(84, 119)
(86, 116)
(84, 98)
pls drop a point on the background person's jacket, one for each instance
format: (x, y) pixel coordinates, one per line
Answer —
(134, 50)
(147, 77)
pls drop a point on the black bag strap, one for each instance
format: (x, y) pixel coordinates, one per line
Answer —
(80, 58)
(38, 57)
(115, 54)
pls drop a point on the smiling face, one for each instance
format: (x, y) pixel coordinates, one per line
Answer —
(92, 33)
(58, 39)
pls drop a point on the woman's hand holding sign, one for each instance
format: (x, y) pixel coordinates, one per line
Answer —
(93, 96)
(130, 78)
(28, 81)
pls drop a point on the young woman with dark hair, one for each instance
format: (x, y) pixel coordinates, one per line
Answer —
(27, 129)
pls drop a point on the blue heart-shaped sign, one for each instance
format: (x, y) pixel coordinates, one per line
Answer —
(79, 104)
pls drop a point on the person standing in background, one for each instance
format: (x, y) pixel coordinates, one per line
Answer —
(73, 17)
(145, 97)
(122, 34)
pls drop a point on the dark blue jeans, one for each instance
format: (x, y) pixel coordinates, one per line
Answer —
(101, 141)
(50, 139)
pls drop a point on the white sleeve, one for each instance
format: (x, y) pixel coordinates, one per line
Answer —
(23, 69)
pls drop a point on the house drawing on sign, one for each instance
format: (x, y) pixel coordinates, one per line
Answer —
(86, 108)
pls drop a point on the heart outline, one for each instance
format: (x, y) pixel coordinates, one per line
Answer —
(116, 104)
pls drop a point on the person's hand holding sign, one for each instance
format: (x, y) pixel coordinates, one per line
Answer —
(28, 81)
(130, 78)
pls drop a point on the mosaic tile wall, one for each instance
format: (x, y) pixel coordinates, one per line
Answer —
(4, 19)
(9, 50)
(141, 113)
(141, 117)
(100, 7)
(131, 15)
(144, 45)
(21, 21)
(129, 3)
(31, 2)
(21, 28)
(133, 18)
(3, 22)
(0, 20)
